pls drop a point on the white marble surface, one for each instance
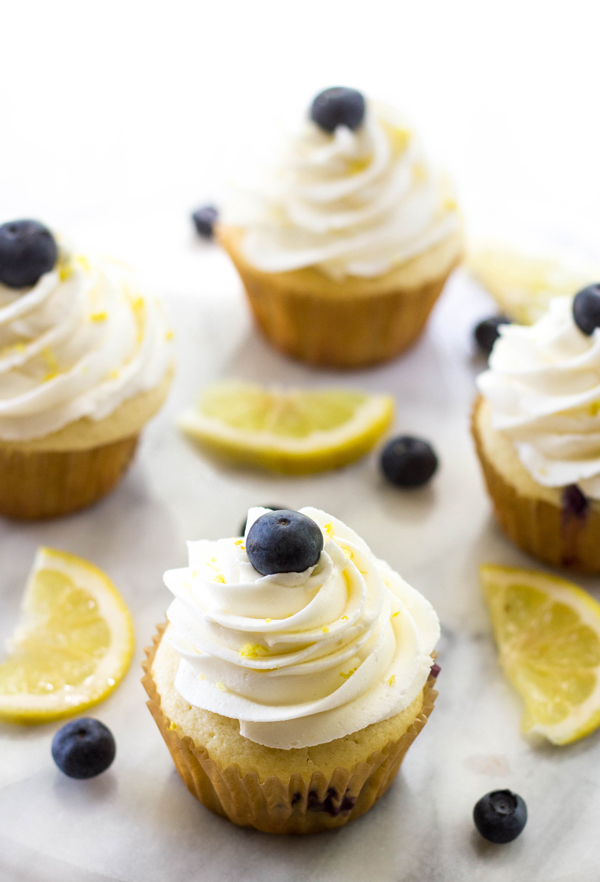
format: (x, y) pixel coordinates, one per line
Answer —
(137, 822)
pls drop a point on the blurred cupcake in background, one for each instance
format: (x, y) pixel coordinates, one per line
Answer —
(536, 426)
(345, 249)
(85, 362)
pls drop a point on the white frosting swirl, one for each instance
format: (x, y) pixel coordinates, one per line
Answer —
(352, 203)
(543, 385)
(299, 658)
(77, 344)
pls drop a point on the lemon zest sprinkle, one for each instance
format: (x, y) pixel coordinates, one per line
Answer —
(397, 613)
(169, 335)
(99, 316)
(325, 630)
(219, 578)
(221, 686)
(356, 166)
(392, 680)
(172, 725)
(194, 573)
(344, 618)
(329, 528)
(349, 674)
(268, 621)
(83, 262)
(253, 650)
(65, 271)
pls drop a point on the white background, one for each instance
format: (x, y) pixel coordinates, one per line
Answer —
(114, 108)
(118, 118)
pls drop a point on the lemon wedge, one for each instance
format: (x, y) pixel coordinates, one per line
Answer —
(295, 431)
(73, 643)
(523, 284)
(548, 635)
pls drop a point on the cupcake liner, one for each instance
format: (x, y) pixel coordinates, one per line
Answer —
(45, 484)
(329, 327)
(549, 532)
(297, 805)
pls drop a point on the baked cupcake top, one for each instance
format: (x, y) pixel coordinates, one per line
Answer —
(77, 341)
(543, 387)
(353, 194)
(300, 658)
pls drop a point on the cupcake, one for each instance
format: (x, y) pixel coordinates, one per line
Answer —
(293, 674)
(345, 249)
(85, 362)
(536, 426)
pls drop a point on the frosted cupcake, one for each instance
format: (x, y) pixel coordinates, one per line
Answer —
(85, 362)
(347, 246)
(293, 674)
(537, 432)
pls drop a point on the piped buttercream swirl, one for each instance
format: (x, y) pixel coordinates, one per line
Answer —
(299, 658)
(543, 386)
(351, 203)
(77, 344)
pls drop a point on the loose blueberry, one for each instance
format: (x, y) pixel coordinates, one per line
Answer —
(204, 220)
(27, 251)
(283, 542)
(487, 332)
(408, 461)
(83, 748)
(338, 106)
(586, 309)
(270, 508)
(574, 502)
(500, 816)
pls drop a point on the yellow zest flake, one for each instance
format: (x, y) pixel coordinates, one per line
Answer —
(348, 552)
(194, 573)
(356, 166)
(138, 303)
(349, 674)
(593, 408)
(399, 138)
(253, 650)
(240, 544)
(53, 369)
(344, 618)
(65, 271)
(172, 725)
(202, 676)
(221, 686)
(99, 316)
(169, 335)
(83, 262)
(397, 613)
(420, 172)
(325, 630)
(329, 529)
(219, 578)
(268, 621)
(392, 680)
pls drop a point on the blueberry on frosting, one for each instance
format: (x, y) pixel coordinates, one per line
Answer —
(487, 332)
(27, 251)
(284, 542)
(586, 309)
(338, 106)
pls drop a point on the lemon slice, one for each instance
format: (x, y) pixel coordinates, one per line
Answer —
(548, 634)
(523, 284)
(297, 431)
(73, 643)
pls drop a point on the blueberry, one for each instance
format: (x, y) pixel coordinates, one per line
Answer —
(338, 106)
(27, 251)
(271, 508)
(204, 220)
(486, 332)
(586, 309)
(283, 541)
(83, 748)
(500, 816)
(408, 461)
(575, 502)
